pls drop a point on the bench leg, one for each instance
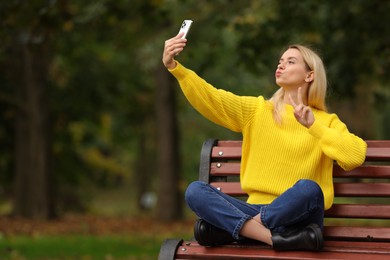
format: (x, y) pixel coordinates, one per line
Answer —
(168, 249)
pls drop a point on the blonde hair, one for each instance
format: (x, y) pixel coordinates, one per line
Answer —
(317, 88)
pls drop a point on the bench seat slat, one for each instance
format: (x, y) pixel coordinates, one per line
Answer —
(332, 250)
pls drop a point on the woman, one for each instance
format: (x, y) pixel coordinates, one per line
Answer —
(289, 145)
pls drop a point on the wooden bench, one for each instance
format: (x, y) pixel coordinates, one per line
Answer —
(356, 227)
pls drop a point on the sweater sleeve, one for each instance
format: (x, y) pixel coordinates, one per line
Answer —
(219, 106)
(347, 149)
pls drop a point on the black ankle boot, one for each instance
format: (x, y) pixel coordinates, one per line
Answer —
(209, 235)
(308, 238)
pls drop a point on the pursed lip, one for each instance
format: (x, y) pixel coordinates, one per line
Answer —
(278, 73)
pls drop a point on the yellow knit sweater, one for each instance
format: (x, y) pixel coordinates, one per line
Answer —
(275, 157)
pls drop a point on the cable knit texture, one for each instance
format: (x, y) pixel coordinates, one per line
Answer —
(275, 157)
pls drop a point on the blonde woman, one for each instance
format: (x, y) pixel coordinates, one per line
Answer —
(289, 145)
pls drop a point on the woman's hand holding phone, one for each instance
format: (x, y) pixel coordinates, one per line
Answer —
(175, 45)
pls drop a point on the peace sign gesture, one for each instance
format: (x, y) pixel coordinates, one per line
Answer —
(303, 114)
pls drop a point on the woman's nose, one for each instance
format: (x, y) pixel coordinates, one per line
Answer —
(282, 64)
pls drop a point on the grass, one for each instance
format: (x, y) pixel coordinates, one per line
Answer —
(112, 230)
(138, 246)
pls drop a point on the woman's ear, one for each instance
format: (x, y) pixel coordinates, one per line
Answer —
(309, 76)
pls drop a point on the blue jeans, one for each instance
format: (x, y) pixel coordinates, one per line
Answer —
(301, 205)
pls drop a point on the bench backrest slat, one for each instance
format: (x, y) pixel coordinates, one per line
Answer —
(359, 211)
(362, 193)
(341, 189)
(362, 189)
(365, 171)
(378, 150)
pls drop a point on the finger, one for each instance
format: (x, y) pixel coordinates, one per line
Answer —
(173, 49)
(306, 112)
(176, 51)
(178, 36)
(173, 44)
(176, 39)
(305, 116)
(292, 101)
(300, 100)
(299, 110)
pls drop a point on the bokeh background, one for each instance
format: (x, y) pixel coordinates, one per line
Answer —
(97, 143)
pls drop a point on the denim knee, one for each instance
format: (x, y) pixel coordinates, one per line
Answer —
(192, 193)
(310, 189)
(311, 193)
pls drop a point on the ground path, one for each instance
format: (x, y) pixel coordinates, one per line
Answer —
(91, 225)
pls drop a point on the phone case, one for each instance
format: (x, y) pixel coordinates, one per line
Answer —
(185, 27)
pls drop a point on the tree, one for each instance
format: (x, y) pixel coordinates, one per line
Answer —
(170, 202)
(84, 88)
(168, 163)
(30, 50)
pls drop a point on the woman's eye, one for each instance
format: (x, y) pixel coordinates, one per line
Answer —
(290, 62)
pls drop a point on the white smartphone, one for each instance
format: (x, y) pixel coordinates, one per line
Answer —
(185, 27)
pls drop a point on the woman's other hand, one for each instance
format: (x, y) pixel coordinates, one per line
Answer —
(303, 114)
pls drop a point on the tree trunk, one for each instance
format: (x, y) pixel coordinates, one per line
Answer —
(29, 67)
(144, 169)
(168, 166)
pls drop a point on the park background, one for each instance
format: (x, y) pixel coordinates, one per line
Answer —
(97, 142)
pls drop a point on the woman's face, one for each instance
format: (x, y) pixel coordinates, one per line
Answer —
(291, 71)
